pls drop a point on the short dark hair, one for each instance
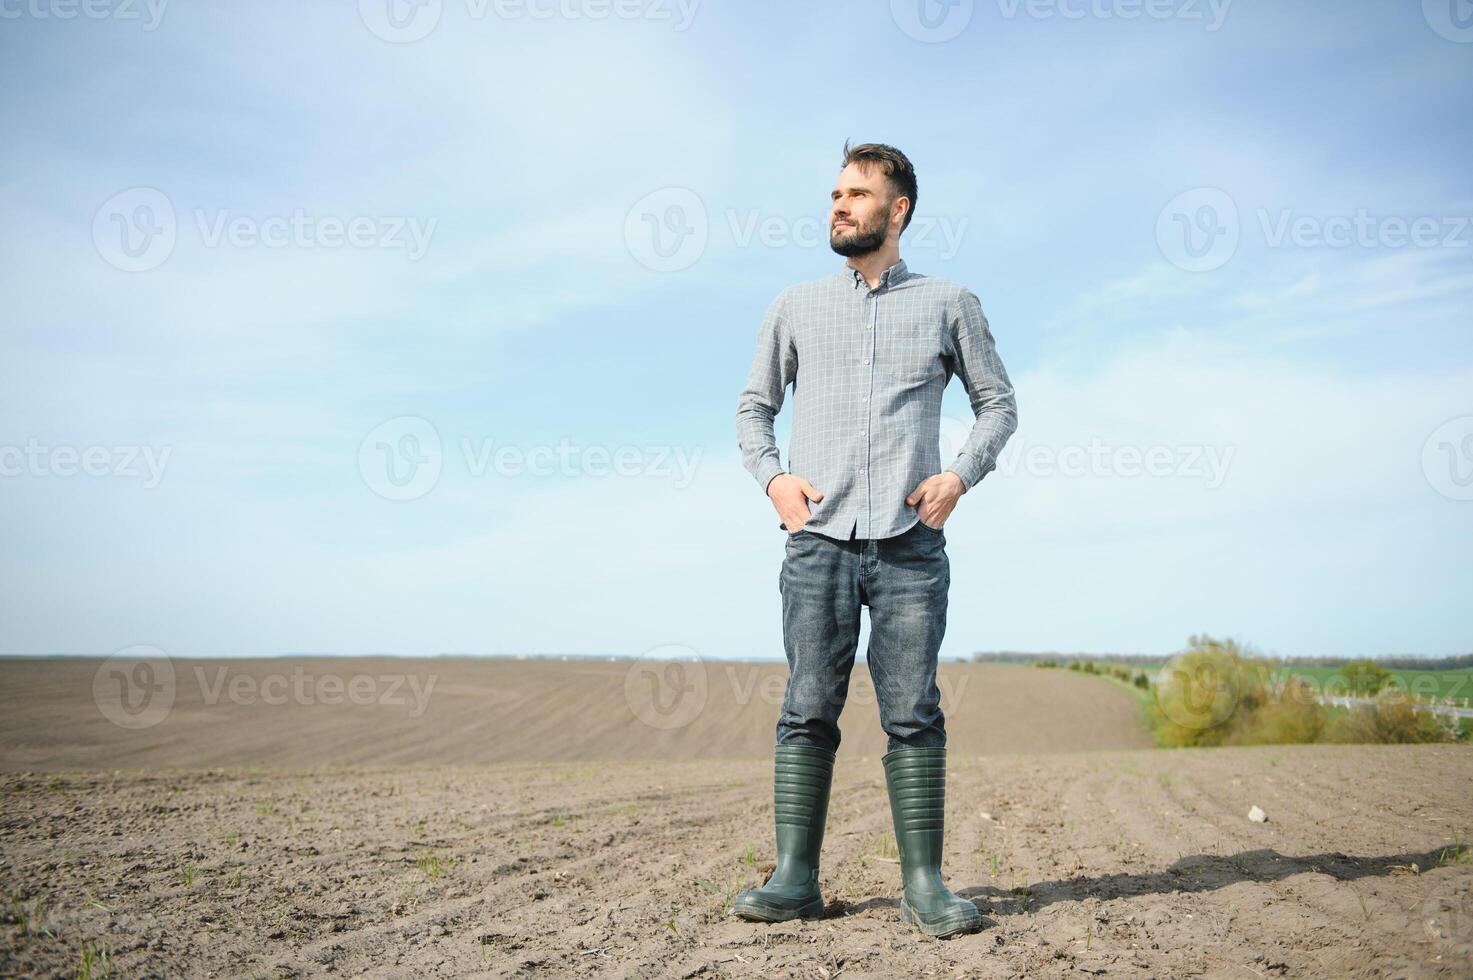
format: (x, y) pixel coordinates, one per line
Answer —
(896, 167)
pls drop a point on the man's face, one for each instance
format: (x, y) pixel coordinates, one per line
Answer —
(860, 217)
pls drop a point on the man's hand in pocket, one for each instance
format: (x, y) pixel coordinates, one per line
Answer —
(790, 495)
(935, 497)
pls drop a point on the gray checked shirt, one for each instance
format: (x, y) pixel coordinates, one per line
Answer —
(868, 367)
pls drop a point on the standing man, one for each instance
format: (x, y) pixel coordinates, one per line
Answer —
(868, 352)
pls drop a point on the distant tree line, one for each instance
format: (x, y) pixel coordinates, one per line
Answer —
(1400, 662)
(1460, 661)
(1014, 657)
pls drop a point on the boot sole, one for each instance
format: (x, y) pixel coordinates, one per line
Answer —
(947, 927)
(753, 912)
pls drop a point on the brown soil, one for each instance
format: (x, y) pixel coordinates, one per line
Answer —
(300, 850)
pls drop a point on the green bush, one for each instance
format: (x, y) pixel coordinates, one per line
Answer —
(1393, 718)
(1289, 716)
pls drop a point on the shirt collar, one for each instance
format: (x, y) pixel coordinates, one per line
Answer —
(890, 276)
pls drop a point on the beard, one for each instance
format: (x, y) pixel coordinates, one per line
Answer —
(859, 240)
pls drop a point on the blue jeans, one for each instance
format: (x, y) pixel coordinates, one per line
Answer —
(824, 581)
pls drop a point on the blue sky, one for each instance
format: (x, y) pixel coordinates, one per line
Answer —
(185, 310)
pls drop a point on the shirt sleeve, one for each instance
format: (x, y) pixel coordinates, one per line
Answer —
(773, 368)
(988, 388)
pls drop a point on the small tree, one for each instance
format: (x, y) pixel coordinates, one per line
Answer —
(1365, 677)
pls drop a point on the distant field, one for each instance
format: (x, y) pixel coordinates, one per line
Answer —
(466, 711)
(1427, 683)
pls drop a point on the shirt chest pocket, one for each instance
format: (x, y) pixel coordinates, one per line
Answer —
(909, 353)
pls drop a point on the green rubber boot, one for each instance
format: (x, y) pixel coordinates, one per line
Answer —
(916, 778)
(802, 775)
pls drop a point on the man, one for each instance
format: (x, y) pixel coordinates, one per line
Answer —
(868, 352)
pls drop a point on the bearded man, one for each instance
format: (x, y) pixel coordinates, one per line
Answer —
(864, 500)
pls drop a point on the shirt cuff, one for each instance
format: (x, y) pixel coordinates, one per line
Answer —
(766, 472)
(968, 469)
